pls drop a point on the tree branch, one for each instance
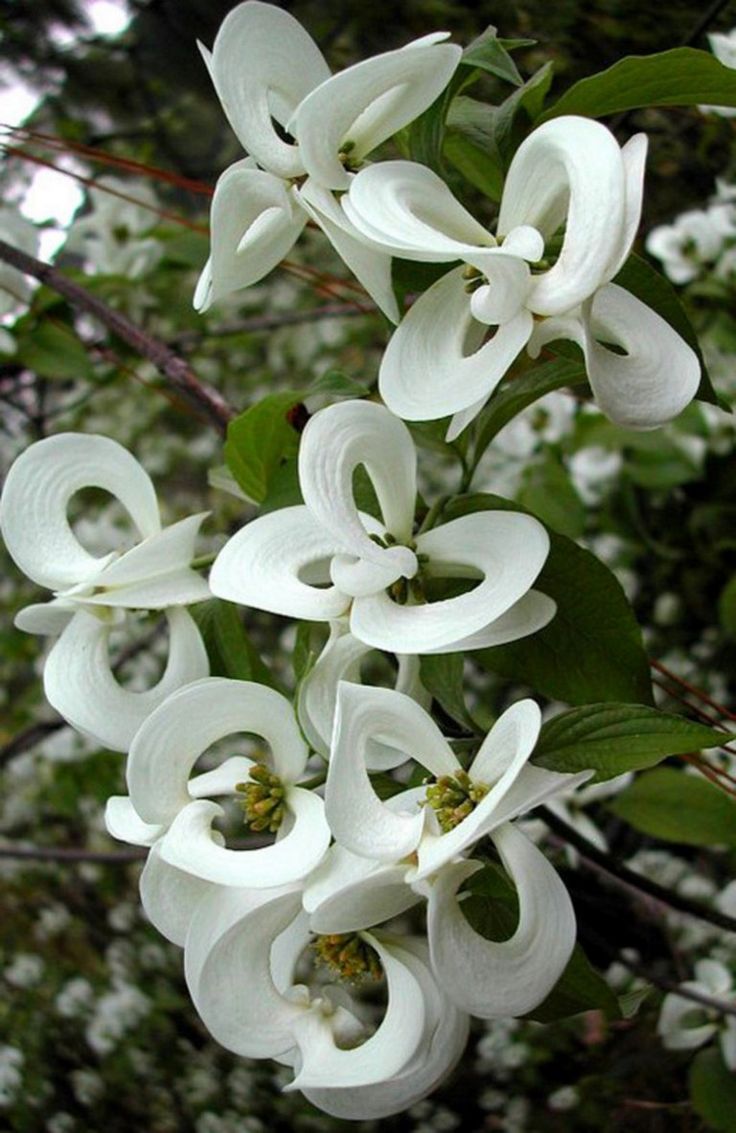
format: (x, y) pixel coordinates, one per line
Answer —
(73, 856)
(633, 879)
(177, 372)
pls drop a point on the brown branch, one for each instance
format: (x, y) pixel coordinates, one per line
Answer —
(66, 856)
(174, 369)
(631, 878)
(271, 322)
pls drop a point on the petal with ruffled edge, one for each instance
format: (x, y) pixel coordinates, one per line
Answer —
(80, 685)
(189, 844)
(262, 565)
(154, 574)
(254, 220)
(370, 264)
(436, 362)
(38, 489)
(569, 170)
(227, 964)
(507, 551)
(657, 376)
(445, 1036)
(171, 740)
(170, 897)
(386, 1052)
(263, 64)
(123, 822)
(409, 209)
(493, 979)
(531, 613)
(368, 103)
(336, 441)
(359, 820)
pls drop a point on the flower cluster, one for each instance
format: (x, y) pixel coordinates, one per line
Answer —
(294, 847)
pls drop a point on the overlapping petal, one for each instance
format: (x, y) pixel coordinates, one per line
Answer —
(80, 685)
(170, 897)
(347, 892)
(510, 977)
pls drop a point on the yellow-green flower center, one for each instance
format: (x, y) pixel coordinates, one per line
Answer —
(349, 956)
(264, 799)
(347, 158)
(454, 797)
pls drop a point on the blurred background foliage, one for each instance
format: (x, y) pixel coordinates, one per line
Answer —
(96, 1031)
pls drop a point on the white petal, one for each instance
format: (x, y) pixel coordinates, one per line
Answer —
(409, 209)
(262, 564)
(385, 1053)
(672, 1027)
(511, 977)
(168, 745)
(189, 845)
(634, 156)
(368, 103)
(221, 780)
(347, 892)
(569, 170)
(154, 574)
(445, 1036)
(435, 362)
(510, 740)
(507, 550)
(263, 64)
(46, 618)
(80, 685)
(254, 221)
(170, 897)
(123, 822)
(229, 974)
(504, 296)
(370, 264)
(357, 817)
(336, 441)
(656, 378)
(38, 489)
(531, 613)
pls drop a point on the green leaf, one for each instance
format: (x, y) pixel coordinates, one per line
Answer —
(334, 381)
(488, 53)
(676, 807)
(52, 350)
(493, 910)
(727, 607)
(470, 145)
(713, 1090)
(230, 650)
(591, 650)
(283, 487)
(258, 442)
(515, 115)
(518, 393)
(547, 491)
(442, 675)
(683, 76)
(641, 279)
(614, 738)
(188, 248)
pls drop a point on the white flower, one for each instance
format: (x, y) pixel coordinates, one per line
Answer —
(377, 571)
(92, 592)
(685, 1025)
(693, 239)
(267, 70)
(419, 838)
(723, 46)
(241, 952)
(166, 804)
(569, 171)
(112, 236)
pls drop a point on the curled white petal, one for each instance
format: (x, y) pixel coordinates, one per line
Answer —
(531, 613)
(123, 822)
(368, 103)
(347, 892)
(168, 745)
(510, 977)
(38, 489)
(46, 618)
(263, 566)
(80, 685)
(169, 896)
(263, 63)
(436, 362)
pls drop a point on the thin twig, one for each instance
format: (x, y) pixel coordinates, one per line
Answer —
(698, 693)
(173, 368)
(75, 856)
(630, 877)
(271, 322)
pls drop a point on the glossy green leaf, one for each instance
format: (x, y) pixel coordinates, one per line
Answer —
(675, 807)
(52, 350)
(442, 675)
(259, 441)
(592, 649)
(470, 145)
(614, 738)
(683, 76)
(516, 114)
(488, 53)
(547, 491)
(713, 1090)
